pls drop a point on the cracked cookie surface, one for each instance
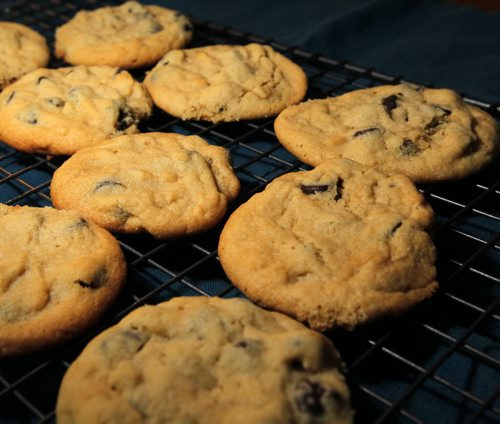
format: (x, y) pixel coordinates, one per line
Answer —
(165, 184)
(22, 50)
(129, 36)
(336, 246)
(58, 274)
(207, 361)
(225, 83)
(59, 111)
(427, 134)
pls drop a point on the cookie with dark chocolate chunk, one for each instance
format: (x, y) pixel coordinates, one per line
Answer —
(427, 134)
(164, 184)
(340, 245)
(59, 111)
(131, 35)
(206, 361)
(58, 274)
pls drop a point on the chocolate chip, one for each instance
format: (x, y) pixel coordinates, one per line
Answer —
(296, 365)
(135, 336)
(165, 63)
(121, 213)
(97, 280)
(188, 27)
(446, 112)
(31, 118)
(390, 103)
(10, 97)
(365, 131)
(312, 189)
(126, 118)
(124, 343)
(250, 345)
(155, 27)
(473, 146)
(437, 120)
(395, 228)
(40, 79)
(55, 101)
(409, 148)
(80, 224)
(107, 184)
(340, 189)
(310, 397)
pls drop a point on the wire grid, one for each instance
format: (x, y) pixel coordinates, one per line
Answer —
(438, 363)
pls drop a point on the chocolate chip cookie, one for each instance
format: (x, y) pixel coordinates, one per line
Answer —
(336, 246)
(22, 50)
(129, 36)
(165, 184)
(207, 361)
(58, 274)
(225, 83)
(428, 134)
(60, 111)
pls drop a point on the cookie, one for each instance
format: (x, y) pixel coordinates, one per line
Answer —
(207, 361)
(340, 245)
(129, 36)
(225, 83)
(22, 50)
(428, 134)
(165, 184)
(58, 274)
(59, 111)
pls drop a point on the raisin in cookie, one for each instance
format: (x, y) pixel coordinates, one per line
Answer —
(427, 134)
(165, 184)
(58, 274)
(129, 36)
(206, 361)
(22, 50)
(336, 246)
(59, 111)
(225, 83)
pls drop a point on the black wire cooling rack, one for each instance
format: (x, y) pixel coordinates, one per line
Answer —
(440, 363)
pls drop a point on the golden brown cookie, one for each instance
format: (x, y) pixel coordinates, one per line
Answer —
(22, 50)
(206, 361)
(427, 134)
(60, 111)
(225, 83)
(129, 36)
(336, 246)
(58, 274)
(168, 185)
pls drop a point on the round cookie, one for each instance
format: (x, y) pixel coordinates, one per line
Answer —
(165, 184)
(22, 50)
(129, 36)
(59, 111)
(58, 274)
(427, 134)
(207, 361)
(336, 246)
(225, 83)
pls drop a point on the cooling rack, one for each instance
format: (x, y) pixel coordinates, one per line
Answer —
(438, 363)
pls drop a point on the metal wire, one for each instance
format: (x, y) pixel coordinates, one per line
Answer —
(440, 362)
